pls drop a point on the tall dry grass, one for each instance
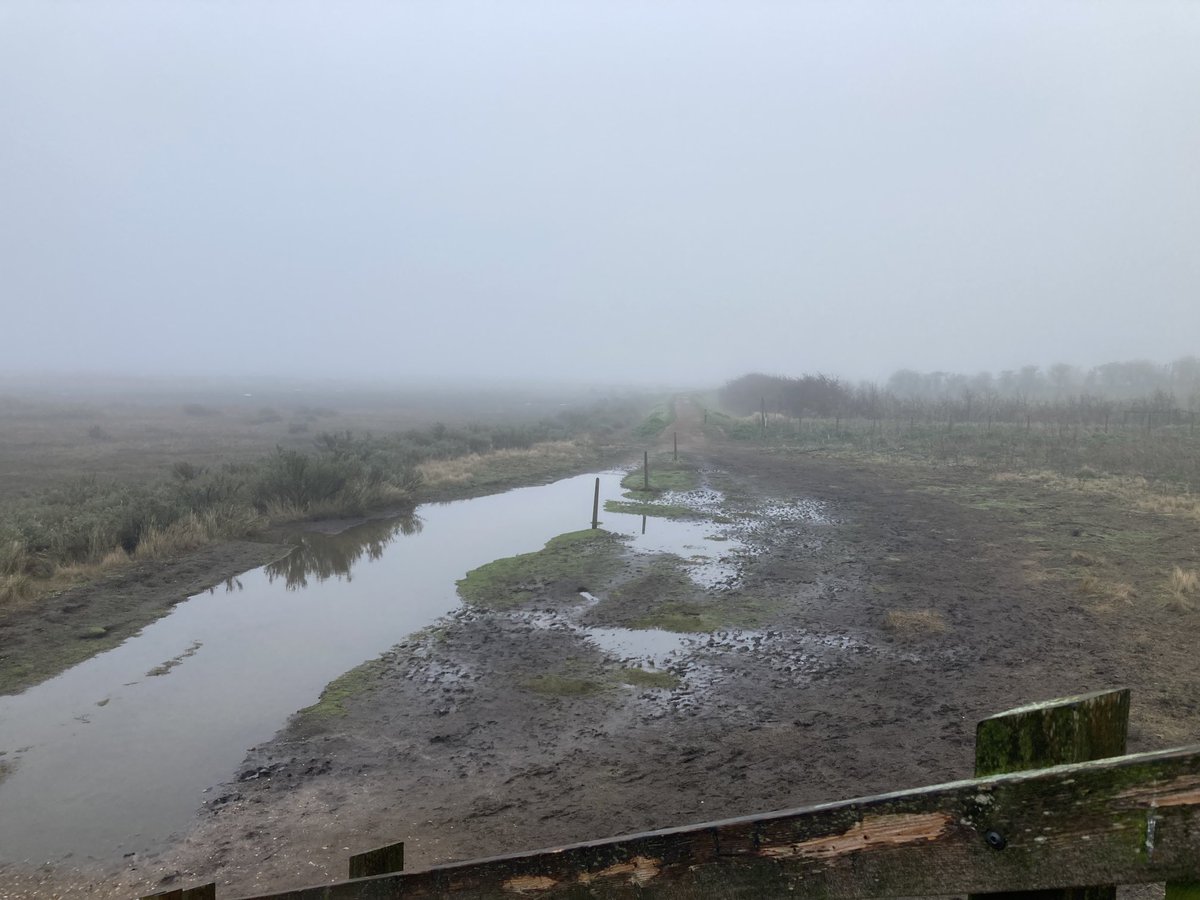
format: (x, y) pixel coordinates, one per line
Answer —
(1182, 587)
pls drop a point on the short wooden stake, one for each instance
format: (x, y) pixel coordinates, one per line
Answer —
(596, 506)
(675, 435)
(1058, 732)
(646, 469)
(380, 861)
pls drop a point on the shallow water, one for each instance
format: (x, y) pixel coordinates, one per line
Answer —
(108, 759)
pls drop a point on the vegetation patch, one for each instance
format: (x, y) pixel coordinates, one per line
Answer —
(567, 564)
(563, 685)
(658, 419)
(643, 678)
(915, 623)
(1183, 587)
(332, 703)
(461, 476)
(641, 508)
(666, 474)
(702, 616)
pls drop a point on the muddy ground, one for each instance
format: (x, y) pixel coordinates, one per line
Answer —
(508, 730)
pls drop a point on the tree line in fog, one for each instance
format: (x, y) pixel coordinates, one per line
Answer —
(1140, 389)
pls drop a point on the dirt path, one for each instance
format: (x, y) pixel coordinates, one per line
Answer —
(873, 628)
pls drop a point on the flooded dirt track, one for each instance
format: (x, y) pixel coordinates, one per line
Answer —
(823, 631)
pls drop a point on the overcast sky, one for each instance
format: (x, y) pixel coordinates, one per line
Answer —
(661, 190)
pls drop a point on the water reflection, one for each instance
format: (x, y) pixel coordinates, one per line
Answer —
(325, 556)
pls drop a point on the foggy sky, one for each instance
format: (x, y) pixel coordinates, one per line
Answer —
(676, 191)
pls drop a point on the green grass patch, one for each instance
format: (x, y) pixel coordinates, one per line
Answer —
(643, 678)
(666, 474)
(332, 703)
(567, 563)
(652, 426)
(563, 685)
(692, 617)
(640, 508)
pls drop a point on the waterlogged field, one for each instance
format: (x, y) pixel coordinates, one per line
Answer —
(774, 617)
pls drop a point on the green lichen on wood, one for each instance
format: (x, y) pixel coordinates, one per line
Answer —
(566, 564)
(1183, 890)
(1071, 730)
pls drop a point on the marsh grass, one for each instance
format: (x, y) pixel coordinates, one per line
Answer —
(1168, 457)
(639, 677)
(1107, 591)
(480, 467)
(915, 623)
(78, 528)
(332, 703)
(562, 565)
(563, 685)
(1182, 587)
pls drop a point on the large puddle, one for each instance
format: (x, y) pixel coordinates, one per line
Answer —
(113, 756)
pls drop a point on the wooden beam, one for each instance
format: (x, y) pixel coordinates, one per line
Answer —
(1054, 733)
(380, 861)
(1134, 819)
(1070, 730)
(200, 892)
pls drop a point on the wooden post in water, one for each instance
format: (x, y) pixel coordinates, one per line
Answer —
(1040, 735)
(596, 506)
(380, 861)
(646, 469)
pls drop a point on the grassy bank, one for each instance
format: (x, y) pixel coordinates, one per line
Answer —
(81, 528)
(567, 564)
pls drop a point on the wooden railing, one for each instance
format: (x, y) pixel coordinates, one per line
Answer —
(1057, 809)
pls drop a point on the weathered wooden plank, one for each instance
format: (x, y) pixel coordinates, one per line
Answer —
(200, 892)
(1054, 733)
(1127, 820)
(1071, 730)
(380, 861)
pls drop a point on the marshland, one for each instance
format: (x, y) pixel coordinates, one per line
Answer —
(494, 427)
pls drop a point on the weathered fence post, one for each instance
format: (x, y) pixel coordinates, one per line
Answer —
(596, 506)
(646, 469)
(380, 861)
(1054, 733)
(675, 436)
